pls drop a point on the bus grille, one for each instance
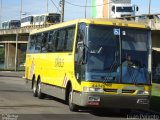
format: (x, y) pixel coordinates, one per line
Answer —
(115, 90)
(110, 90)
(128, 91)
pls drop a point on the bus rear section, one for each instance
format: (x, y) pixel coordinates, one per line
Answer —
(109, 65)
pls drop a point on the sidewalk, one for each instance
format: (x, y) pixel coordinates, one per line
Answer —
(11, 74)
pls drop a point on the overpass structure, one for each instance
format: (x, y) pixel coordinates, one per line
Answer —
(14, 40)
(14, 44)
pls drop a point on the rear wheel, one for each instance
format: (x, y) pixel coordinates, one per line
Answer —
(34, 88)
(39, 92)
(72, 106)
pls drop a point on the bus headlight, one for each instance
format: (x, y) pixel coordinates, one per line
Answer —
(141, 92)
(92, 89)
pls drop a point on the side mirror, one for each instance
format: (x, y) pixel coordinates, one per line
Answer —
(81, 53)
(80, 44)
(80, 36)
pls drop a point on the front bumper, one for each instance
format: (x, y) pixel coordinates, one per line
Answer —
(113, 101)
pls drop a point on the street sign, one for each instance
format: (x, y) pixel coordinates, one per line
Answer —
(116, 31)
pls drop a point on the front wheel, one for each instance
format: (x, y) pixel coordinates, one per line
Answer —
(39, 92)
(72, 106)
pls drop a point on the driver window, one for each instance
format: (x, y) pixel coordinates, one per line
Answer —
(80, 38)
(81, 32)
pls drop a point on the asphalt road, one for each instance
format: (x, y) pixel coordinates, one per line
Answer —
(17, 103)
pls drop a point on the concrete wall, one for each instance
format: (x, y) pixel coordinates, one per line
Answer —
(156, 39)
(9, 42)
(9, 56)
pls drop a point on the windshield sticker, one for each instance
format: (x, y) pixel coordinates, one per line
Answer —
(59, 62)
(116, 31)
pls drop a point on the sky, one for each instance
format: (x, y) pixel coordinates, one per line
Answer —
(11, 8)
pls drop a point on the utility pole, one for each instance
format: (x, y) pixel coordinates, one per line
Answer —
(21, 10)
(86, 9)
(149, 12)
(16, 53)
(62, 10)
(1, 15)
(47, 6)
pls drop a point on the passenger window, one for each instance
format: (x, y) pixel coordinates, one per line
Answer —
(61, 40)
(31, 45)
(38, 43)
(52, 41)
(69, 39)
(44, 43)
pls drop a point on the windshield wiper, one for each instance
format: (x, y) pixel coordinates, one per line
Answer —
(114, 64)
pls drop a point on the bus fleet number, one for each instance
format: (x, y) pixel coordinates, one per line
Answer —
(59, 62)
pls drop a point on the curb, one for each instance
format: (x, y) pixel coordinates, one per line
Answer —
(12, 76)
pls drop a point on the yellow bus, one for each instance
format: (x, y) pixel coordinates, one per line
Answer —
(92, 63)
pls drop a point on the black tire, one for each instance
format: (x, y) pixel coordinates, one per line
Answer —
(39, 92)
(34, 88)
(72, 106)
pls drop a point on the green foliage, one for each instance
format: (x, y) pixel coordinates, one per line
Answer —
(156, 89)
(155, 98)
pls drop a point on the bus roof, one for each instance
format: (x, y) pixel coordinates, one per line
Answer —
(27, 16)
(113, 22)
(46, 14)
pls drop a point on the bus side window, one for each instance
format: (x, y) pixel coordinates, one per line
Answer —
(70, 32)
(52, 41)
(44, 42)
(61, 40)
(31, 46)
(38, 43)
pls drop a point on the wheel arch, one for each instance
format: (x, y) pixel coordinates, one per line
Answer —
(68, 87)
(33, 79)
(38, 78)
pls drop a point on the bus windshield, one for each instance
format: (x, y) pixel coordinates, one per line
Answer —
(103, 55)
(124, 9)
